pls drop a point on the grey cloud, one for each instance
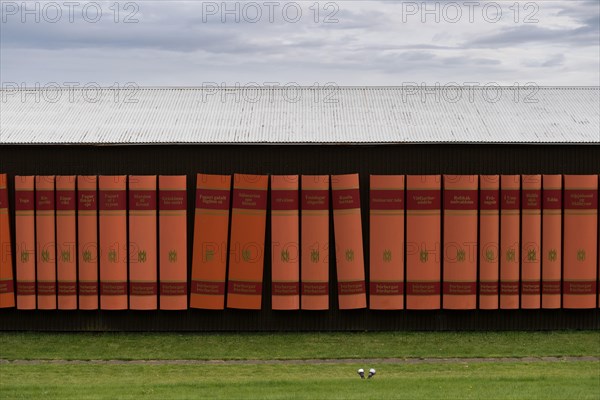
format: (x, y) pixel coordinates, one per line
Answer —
(522, 35)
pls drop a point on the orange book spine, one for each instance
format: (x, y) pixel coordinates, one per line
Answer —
(580, 241)
(551, 240)
(423, 237)
(459, 290)
(112, 206)
(314, 242)
(25, 241)
(510, 205)
(349, 255)
(45, 243)
(531, 241)
(246, 259)
(211, 234)
(66, 241)
(87, 246)
(285, 246)
(7, 287)
(172, 206)
(386, 242)
(489, 241)
(143, 254)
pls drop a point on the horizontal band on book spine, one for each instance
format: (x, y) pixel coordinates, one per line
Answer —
(421, 200)
(244, 287)
(488, 288)
(388, 288)
(67, 288)
(112, 200)
(140, 200)
(315, 199)
(509, 288)
(172, 200)
(509, 200)
(351, 287)
(580, 199)
(46, 288)
(6, 286)
(3, 198)
(142, 213)
(25, 288)
(250, 199)
(143, 288)
(579, 287)
(386, 199)
(212, 199)
(460, 288)
(88, 288)
(24, 201)
(285, 288)
(551, 287)
(423, 288)
(531, 287)
(65, 200)
(552, 199)
(207, 287)
(44, 200)
(345, 199)
(87, 200)
(173, 288)
(65, 213)
(489, 199)
(531, 199)
(44, 213)
(460, 199)
(113, 288)
(284, 199)
(315, 288)
(387, 212)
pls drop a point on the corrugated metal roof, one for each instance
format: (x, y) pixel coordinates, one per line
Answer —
(300, 115)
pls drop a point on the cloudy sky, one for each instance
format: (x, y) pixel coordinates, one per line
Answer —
(193, 43)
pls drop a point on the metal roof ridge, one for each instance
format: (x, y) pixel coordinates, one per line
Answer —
(418, 87)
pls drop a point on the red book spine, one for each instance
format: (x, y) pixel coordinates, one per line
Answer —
(423, 237)
(7, 287)
(531, 241)
(314, 239)
(211, 235)
(25, 241)
(248, 223)
(66, 243)
(285, 246)
(489, 238)
(510, 205)
(580, 241)
(386, 242)
(113, 242)
(172, 208)
(349, 255)
(45, 243)
(87, 231)
(143, 254)
(551, 241)
(460, 242)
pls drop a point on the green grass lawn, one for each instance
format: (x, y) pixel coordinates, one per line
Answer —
(423, 381)
(227, 346)
(430, 380)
